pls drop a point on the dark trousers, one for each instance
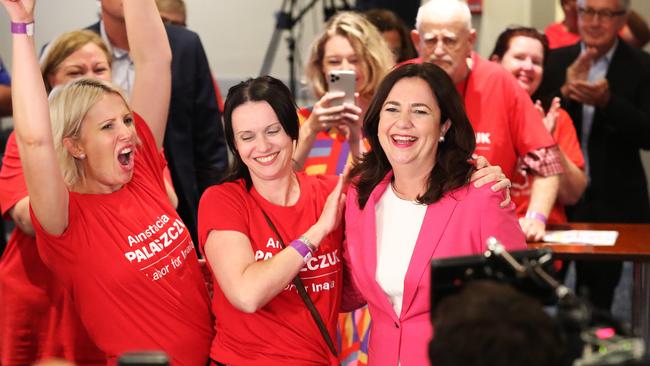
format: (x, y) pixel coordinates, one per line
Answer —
(598, 280)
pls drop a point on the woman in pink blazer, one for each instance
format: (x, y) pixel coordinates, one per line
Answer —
(411, 201)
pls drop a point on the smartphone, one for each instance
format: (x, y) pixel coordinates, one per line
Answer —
(345, 81)
(153, 358)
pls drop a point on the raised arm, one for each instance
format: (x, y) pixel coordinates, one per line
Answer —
(32, 127)
(151, 54)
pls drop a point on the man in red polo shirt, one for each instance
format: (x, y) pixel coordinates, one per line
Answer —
(509, 130)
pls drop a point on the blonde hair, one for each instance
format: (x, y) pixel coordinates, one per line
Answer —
(368, 44)
(65, 45)
(69, 104)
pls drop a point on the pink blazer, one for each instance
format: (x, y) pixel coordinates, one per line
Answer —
(458, 224)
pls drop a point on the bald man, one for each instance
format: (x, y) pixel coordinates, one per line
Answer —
(509, 130)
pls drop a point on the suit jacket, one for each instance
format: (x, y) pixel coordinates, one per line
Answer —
(194, 140)
(458, 224)
(617, 191)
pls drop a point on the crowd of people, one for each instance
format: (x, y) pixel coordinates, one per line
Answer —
(312, 246)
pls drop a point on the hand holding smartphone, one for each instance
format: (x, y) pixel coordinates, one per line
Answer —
(342, 81)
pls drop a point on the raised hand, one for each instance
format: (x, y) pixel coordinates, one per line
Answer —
(332, 213)
(579, 69)
(324, 116)
(550, 118)
(20, 11)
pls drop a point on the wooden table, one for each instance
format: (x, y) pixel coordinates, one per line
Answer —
(633, 244)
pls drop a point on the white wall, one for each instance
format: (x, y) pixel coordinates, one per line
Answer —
(236, 33)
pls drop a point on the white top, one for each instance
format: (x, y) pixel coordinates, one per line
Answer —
(398, 225)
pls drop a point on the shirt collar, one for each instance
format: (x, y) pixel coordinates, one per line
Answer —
(116, 52)
(607, 57)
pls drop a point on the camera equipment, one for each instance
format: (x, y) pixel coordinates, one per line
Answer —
(593, 337)
(286, 19)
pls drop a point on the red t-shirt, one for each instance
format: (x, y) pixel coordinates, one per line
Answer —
(558, 36)
(504, 119)
(130, 265)
(36, 318)
(282, 332)
(566, 138)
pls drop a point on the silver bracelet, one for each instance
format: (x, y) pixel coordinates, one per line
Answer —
(308, 243)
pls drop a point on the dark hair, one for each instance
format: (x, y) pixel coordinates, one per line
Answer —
(386, 21)
(502, 46)
(260, 89)
(489, 323)
(503, 41)
(452, 169)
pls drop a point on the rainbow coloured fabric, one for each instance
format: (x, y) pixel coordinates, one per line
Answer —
(353, 334)
(329, 155)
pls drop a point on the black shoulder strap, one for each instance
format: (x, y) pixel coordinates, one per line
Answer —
(304, 295)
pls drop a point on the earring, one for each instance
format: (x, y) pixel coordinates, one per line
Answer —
(441, 139)
(81, 156)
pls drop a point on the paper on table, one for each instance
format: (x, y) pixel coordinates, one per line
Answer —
(586, 237)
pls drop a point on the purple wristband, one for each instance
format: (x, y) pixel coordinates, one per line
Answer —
(22, 28)
(536, 215)
(302, 249)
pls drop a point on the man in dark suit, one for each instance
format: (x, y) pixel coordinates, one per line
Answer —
(194, 141)
(605, 87)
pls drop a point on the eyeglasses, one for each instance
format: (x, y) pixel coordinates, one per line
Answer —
(590, 13)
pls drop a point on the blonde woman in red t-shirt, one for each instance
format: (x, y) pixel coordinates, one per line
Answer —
(99, 208)
(265, 226)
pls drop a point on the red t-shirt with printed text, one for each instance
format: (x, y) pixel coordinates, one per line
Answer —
(567, 139)
(504, 119)
(37, 320)
(283, 331)
(131, 268)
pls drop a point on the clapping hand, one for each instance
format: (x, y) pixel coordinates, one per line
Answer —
(550, 118)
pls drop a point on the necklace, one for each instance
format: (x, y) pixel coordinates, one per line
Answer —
(399, 194)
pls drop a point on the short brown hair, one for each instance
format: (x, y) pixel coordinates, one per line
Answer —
(65, 45)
